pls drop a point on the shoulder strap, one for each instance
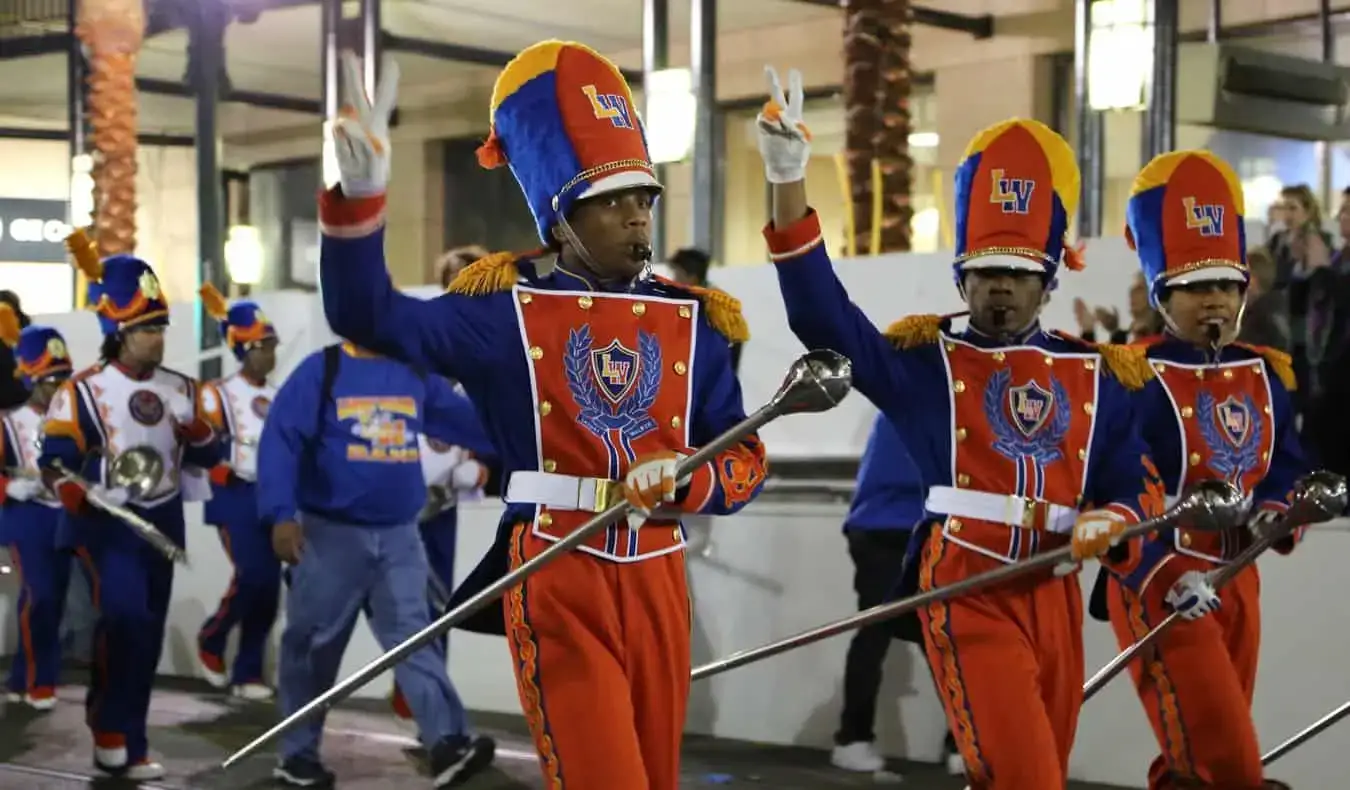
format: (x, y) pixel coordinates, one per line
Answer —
(332, 360)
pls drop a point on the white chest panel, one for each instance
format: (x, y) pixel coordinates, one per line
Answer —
(244, 408)
(23, 430)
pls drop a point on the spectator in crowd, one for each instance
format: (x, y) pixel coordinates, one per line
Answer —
(1144, 320)
(1266, 319)
(887, 502)
(1301, 248)
(1325, 293)
(452, 262)
(12, 391)
(690, 266)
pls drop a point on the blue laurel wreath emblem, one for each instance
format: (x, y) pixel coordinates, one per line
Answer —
(1230, 459)
(629, 416)
(1043, 443)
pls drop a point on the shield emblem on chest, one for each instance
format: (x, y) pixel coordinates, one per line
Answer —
(1235, 420)
(1029, 405)
(616, 370)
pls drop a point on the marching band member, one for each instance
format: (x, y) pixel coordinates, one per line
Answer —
(128, 401)
(241, 400)
(1217, 410)
(451, 472)
(615, 377)
(1011, 427)
(29, 515)
(340, 482)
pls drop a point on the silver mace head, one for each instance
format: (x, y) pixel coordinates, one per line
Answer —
(817, 381)
(1209, 506)
(1318, 496)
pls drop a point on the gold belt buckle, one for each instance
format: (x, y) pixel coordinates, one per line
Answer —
(1028, 516)
(606, 494)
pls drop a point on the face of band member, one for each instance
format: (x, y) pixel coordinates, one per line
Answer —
(1197, 307)
(616, 230)
(1003, 302)
(44, 391)
(144, 345)
(261, 357)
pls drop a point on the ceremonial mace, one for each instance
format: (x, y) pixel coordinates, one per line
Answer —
(817, 382)
(1308, 733)
(1318, 496)
(1212, 506)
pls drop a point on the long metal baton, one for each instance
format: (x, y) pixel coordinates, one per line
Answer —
(1307, 734)
(817, 381)
(1319, 496)
(1210, 506)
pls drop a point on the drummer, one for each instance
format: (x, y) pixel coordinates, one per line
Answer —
(127, 402)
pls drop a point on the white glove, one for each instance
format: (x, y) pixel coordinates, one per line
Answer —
(1262, 522)
(116, 497)
(1193, 596)
(651, 483)
(1095, 532)
(361, 133)
(468, 476)
(22, 489)
(784, 140)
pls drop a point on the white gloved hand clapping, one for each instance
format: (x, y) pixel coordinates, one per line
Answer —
(1193, 596)
(784, 140)
(22, 489)
(361, 134)
(469, 475)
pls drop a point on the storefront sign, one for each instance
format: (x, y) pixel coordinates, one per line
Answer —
(33, 231)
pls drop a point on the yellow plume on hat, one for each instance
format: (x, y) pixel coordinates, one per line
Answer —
(214, 302)
(85, 252)
(9, 325)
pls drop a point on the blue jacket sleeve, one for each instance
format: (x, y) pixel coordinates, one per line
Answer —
(821, 314)
(451, 418)
(1288, 463)
(287, 434)
(1122, 478)
(736, 476)
(70, 434)
(448, 335)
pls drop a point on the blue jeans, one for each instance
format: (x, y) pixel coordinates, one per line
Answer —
(343, 569)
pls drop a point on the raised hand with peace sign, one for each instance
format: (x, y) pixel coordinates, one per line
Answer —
(361, 132)
(784, 140)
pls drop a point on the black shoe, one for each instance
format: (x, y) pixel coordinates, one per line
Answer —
(303, 772)
(456, 759)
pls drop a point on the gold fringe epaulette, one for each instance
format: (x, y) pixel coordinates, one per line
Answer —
(915, 330)
(723, 311)
(487, 275)
(1128, 364)
(1280, 363)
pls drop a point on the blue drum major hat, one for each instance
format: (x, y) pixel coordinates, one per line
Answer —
(243, 324)
(563, 118)
(40, 352)
(1185, 221)
(123, 289)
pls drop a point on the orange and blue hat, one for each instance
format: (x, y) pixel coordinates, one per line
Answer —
(1185, 220)
(123, 289)
(40, 352)
(1016, 187)
(563, 118)
(243, 324)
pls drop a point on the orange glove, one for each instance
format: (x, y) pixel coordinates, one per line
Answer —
(72, 498)
(1095, 532)
(197, 432)
(221, 475)
(651, 482)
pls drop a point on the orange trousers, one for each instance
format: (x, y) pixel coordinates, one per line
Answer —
(602, 665)
(1008, 664)
(1197, 685)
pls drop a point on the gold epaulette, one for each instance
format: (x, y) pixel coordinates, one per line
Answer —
(723, 311)
(1281, 364)
(915, 330)
(1128, 364)
(488, 275)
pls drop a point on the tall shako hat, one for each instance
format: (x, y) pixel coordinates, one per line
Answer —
(1016, 187)
(40, 352)
(242, 325)
(123, 289)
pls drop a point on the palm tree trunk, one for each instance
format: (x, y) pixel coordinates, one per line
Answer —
(112, 31)
(891, 141)
(863, 35)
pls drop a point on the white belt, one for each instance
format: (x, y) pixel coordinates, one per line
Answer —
(1014, 511)
(561, 492)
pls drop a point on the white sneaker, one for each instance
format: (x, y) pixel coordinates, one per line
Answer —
(213, 670)
(859, 756)
(145, 771)
(956, 764)
(13, 696)
(253, 692)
